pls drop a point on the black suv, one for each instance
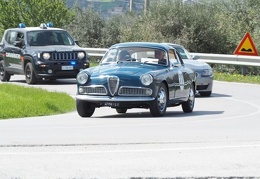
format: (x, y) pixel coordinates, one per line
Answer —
(40, 53)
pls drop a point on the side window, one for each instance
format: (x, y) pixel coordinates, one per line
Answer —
(20, 36)
(179, 57)
(11, 37)
(172, 56)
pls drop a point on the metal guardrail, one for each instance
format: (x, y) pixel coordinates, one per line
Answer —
(240, 60)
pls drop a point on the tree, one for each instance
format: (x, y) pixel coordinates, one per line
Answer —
(87, 28)
(34, 12)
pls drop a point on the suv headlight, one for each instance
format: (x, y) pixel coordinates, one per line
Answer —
(207, 72)
(46, 56)
(82, 78)
(81, 55)
(146, 79)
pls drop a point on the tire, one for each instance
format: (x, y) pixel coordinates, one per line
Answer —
(4, 75)
(205, 93)
(159, 105)
(85, 109)
(30, 76)
(188, 105)
(121, 110)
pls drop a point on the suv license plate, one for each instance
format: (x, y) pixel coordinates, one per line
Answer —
(67, 67)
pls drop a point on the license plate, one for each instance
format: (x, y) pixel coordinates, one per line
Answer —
(67, 67)
(111, 104)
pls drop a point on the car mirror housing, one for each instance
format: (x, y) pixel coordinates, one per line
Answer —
(195, 57)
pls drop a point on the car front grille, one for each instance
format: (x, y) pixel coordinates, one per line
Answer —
(201, 87)
(113, 83)
(93, 90)
(59, 56)
(134, 91)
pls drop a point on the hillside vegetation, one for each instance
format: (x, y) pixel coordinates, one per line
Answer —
(212, 27)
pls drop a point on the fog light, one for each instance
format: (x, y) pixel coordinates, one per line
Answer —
(148, 92)
(81, 90)
(43, 66)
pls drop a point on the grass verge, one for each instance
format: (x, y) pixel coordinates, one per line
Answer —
(19, 101)
(236, 78)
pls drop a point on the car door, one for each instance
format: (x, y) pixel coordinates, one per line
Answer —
(13, 52)
(179, 76)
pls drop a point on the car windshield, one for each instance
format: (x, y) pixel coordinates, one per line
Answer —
(49, 37)
(136, 54)
(183, 52)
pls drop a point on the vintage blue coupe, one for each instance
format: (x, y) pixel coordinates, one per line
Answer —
(137, 75)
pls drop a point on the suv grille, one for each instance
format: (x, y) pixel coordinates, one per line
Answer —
(59, 56)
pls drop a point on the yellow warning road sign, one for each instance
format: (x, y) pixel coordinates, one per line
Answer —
(246, 46)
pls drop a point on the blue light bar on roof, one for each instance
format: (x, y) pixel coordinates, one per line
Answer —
(49, 24)
(21, 25)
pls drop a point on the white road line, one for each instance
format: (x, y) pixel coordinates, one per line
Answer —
(131, 151)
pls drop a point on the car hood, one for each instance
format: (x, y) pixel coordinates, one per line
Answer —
(124, 69)
(57, 48)
(196, 65)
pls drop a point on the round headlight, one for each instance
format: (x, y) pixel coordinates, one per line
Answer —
(81, 55)
(82, 78)
(46, 56)
(146, 79)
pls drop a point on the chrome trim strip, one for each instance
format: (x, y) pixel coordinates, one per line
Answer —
(113, 99)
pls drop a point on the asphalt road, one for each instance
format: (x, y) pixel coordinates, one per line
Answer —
(221, 138)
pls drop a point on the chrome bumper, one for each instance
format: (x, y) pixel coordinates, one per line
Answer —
(113, 98)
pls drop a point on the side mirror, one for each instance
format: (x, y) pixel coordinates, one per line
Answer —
(195, 57)
(76, 42)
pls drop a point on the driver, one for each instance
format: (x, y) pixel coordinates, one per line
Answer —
(124, 55)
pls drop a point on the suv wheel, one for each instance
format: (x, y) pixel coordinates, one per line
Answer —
(4, 75)
(30, 76)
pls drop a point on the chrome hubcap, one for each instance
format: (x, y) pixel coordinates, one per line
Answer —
(191, 97)
(161, 99)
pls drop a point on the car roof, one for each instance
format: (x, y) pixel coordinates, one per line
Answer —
(28, 29)
(143, 44)
(174, 45)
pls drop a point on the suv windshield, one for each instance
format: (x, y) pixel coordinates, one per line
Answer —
(49, 37)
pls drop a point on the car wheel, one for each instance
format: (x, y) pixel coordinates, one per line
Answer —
(159, 105)
(121, 110)
(84, 108)
(205, 93)
(30, 76)
(4, 75)
(188, 105)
